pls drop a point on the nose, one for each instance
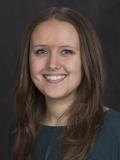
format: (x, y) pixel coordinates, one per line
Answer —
(53, 62)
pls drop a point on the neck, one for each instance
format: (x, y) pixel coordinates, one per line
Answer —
(57, 110)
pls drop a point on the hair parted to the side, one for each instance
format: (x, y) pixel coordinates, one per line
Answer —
(87, 114)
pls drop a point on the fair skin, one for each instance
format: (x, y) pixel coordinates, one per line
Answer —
(55, 66)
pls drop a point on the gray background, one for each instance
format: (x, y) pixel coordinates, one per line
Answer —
(15, 15)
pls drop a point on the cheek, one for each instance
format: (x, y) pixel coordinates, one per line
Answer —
(33, 67)
(74, 67)
(36, 66)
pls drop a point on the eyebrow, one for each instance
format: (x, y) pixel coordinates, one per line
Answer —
(61, 46)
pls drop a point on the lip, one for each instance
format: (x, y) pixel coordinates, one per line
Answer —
(54, 74)
(54, 81)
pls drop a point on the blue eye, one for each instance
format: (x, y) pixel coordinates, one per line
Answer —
(41, 51)
(67, 52)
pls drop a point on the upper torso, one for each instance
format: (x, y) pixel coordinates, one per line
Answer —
(107, 146)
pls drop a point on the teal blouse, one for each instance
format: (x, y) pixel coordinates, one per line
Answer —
(107, 146)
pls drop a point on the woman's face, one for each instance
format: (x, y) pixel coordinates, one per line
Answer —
(55, 62)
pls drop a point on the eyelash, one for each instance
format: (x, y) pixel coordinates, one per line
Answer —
(67, 52)
(41, 51)
(64, 52)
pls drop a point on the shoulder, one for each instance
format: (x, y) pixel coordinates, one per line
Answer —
(11, 139)
(107, 144)
(109, 135)
(111, 123)
(12, 136)
(13, 130)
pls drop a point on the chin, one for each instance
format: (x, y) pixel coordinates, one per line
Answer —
(58, 95)
(55, 96)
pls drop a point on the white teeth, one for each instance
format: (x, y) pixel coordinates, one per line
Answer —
(53, 78)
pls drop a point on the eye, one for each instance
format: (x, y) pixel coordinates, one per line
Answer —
(41, 51)
(67, 52)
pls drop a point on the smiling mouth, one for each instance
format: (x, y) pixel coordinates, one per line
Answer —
(54, 78)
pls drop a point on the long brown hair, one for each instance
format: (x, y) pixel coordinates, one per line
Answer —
(87, 110)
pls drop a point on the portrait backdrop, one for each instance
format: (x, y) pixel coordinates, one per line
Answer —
(16, 15)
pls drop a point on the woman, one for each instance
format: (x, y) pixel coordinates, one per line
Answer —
(60, 115)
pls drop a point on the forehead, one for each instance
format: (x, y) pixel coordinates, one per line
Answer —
(54, 31)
